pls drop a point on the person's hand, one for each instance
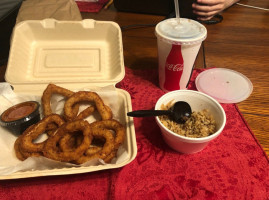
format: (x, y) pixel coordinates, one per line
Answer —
(206, 9)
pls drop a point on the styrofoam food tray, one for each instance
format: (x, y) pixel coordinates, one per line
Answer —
(79, 54)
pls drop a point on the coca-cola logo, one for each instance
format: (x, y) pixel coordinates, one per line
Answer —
(174, 67)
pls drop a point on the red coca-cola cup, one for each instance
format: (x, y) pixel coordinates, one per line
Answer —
(179, 41)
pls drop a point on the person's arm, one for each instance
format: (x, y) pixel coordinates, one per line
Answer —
(206, 9)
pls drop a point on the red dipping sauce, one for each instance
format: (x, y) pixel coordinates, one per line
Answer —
(20, 116)
(18, 111)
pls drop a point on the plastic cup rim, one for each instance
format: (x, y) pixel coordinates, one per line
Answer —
(186, 41)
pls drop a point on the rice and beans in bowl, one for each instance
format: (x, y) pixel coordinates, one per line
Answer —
(200, 124)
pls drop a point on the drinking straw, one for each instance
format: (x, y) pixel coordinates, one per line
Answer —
(177, 9)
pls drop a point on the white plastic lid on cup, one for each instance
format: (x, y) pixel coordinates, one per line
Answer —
(181, 31)
(224, 85)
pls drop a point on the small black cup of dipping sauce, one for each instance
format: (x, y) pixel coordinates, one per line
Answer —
(20, 116)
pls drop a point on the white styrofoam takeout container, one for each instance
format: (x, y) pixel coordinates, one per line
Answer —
(70, 54)
(198, 101)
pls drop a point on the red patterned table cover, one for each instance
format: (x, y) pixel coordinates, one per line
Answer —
(91, 6)
(233, 166)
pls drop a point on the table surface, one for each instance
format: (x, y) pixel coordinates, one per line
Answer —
(240, 42)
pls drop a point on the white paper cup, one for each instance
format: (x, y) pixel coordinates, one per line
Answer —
(198, 101)
(178, 45)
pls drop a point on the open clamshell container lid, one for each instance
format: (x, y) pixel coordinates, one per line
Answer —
(86, 52)
(73, 55)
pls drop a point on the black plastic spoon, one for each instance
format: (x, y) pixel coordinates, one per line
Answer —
(179, 112)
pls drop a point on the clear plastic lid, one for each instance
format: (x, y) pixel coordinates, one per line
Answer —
(184, 31)
(225, 85)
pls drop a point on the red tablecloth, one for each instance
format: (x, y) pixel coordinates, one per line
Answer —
(91, 6)
(233, 166)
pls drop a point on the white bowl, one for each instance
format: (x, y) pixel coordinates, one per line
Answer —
(198, 101)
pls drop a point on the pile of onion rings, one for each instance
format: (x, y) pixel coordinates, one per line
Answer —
(69, 136)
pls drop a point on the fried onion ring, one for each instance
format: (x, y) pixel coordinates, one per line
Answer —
(48, 92)
(92, 150)
(70, 137)
(112, 155)
(21, 154)
(83, 96)
(114, 125)
(50, 148)
(106, 149)
(70, 141)
(36, 130)
(85, 113)
(46, 101)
